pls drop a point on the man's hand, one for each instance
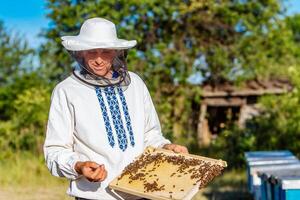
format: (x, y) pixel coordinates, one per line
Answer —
(176, 148)
(91, 170)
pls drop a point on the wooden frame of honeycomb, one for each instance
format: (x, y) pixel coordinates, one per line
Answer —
(162, 174)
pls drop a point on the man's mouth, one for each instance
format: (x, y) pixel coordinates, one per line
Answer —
(98, 66)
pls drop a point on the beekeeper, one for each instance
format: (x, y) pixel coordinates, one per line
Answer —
(101, 116)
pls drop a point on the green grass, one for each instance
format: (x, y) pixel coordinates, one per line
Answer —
(229, 186)
(25, 169)
(25, 177)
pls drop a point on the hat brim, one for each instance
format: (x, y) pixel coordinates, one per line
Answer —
(74, 43)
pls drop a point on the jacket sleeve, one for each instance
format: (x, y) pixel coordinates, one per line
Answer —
(58, 146)
(153, 133)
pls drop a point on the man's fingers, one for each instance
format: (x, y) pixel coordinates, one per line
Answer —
(95, 173)
(87, 169)
(177, 149)
(180, 149)
(92, 165)
(185, 150)
(101, 175)
(171, 147)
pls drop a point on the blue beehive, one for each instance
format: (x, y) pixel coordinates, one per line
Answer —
(256, 181)
(260, 160)
(262, 155)
(286, 184)
(268, 190)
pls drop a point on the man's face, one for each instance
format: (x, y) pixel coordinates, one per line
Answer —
(99, 61)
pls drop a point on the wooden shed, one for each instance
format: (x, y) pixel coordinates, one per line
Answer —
(226, 103)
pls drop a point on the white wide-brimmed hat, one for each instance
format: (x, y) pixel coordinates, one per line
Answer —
(96, 33)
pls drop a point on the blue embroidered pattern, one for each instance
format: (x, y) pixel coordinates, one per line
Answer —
(116, 116)
(105, 118)
(127, 116)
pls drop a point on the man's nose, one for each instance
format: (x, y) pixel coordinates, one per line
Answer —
(98, 61)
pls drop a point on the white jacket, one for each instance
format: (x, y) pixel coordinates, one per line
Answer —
(79, 129)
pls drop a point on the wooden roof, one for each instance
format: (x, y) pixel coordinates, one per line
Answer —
(250, 88)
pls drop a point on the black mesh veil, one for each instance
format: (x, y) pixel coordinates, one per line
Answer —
(119, 67)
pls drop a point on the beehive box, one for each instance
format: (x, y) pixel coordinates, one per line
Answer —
(162, 174)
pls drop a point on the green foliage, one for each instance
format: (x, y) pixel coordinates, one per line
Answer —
(276, 128)
(218, 40)
(14, 56)
(27, 109)
(231, 145)
(24, 98)
(279, 125)
(240, 35)
(238, 40)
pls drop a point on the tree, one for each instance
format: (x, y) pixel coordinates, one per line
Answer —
(24, 96)
(278, 127)
(14, 53)
(214, 40)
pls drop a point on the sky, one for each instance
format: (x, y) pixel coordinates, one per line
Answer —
(25, 17)
(29, 17)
